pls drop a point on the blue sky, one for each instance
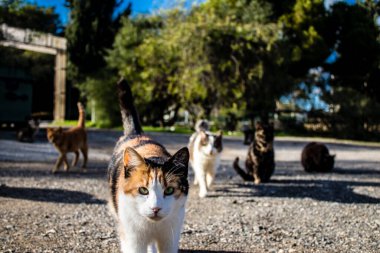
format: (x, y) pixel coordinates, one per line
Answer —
(138, 6)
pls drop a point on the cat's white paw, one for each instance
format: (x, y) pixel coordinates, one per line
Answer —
(202, 194)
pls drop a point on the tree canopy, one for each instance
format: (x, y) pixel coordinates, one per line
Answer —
(23, 15)
(90, 33)
(220, 55)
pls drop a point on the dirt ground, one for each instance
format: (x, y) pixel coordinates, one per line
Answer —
(295, 212)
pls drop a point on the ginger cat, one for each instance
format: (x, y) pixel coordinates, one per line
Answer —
(71, 140)
(148, 186)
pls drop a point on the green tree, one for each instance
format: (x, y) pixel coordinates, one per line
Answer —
(149, 63)
(90, 33)
(220, 55)
(23, 15)
(355, 36)
(355, 73)
(304, 28)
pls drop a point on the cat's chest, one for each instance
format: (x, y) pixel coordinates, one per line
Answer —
(206, 159)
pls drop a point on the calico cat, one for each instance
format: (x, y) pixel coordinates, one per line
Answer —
(148, 186)
(315, 157)
(259, 164)
(205, 149)
(71, 140)
(27, 133)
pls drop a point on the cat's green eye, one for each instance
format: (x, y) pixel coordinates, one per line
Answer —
(169, 191)
(143, 191)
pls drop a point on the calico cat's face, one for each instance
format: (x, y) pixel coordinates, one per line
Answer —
(154, 190)
(53, 134)
(211, 144)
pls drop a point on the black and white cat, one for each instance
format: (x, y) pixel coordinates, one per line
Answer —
(205, 150)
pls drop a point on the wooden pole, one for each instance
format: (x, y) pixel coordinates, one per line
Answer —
(60, 86)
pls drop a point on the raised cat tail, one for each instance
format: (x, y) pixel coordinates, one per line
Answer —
(81, 119)
(202, 125)
(131, 121)
(242, 173)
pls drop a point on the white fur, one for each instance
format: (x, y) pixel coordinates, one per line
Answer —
(140, 234)
(205, 161)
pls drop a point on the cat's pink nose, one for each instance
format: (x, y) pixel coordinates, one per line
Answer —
(156, 210)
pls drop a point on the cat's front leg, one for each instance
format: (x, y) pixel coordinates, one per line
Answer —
(58, 163)
(84, 151)
(257, 180)
(200, 178)
(210, 179)
(195, 180)
(168, 241)
(202, 185)
(66, 165)
(132, 245)
(152, 248)
(75, 161)
(168, 247)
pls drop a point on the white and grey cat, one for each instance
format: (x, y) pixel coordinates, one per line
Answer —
(148, 186)
(205, 149)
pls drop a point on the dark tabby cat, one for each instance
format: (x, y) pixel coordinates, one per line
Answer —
(27, 133)
(315, 157)
(148, 186)
(259, 164)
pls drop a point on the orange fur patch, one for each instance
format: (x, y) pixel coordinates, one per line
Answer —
(143, 176)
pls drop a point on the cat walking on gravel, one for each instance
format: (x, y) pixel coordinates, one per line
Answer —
(148, 186)
(71, 140)
(205, 150)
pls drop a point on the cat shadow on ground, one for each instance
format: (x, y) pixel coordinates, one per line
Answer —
(321, 190)
(49, 195)
(37, 169)
(206, 251)
(363, 171)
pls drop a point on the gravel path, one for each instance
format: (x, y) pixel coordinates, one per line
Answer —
(296, 212)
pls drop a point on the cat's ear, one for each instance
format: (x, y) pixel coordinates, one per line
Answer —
(131, 158)
(218, 141)
(203, 136)
(179, 162)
